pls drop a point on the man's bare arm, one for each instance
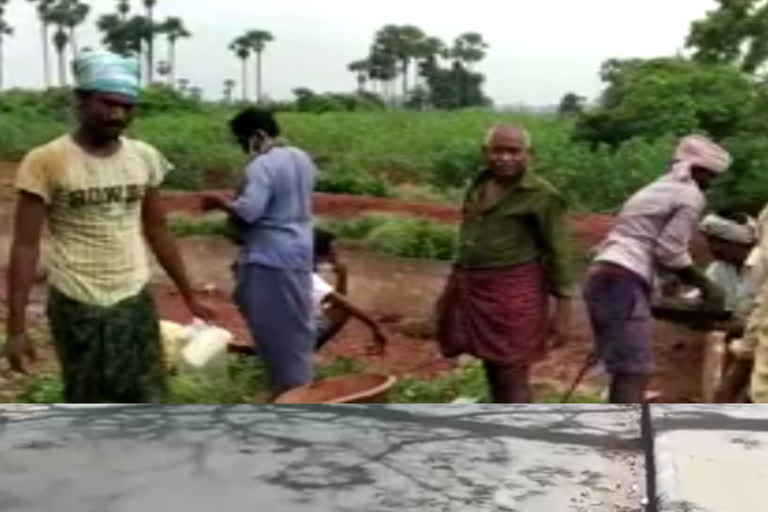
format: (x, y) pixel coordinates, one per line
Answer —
(164, 247)
(30, 217)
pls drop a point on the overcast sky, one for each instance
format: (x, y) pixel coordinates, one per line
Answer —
(540, 49)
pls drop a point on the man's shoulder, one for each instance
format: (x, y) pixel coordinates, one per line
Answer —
(544, 187)
(672, 191)
(141, 147)
(51, 148)
(280, 156)
(285, 151)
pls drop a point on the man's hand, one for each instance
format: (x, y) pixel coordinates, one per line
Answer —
(209, 202)
(200, 310)
(16, 349)
(561, 324)
(379, 345)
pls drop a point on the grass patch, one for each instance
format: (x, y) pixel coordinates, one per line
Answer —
(400, 236)
(469, 382)
(245, 383)
(185, 226)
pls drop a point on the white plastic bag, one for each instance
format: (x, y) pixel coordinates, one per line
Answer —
(205, 348)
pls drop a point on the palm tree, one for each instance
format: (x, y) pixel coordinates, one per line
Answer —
(163, 68)
(123, 8)
(5, 31)
(78, 13)
(174, 29)
(383, 69)
(229, 88)
(430, 52)
(61, 15)
(361, 68)
(404, 44)
(149, 5)
(469, 48)
(124, 37)
(60, 42)
(183, 84)
(112, 27)
(242, 47)
(43, 12)
(258, 40)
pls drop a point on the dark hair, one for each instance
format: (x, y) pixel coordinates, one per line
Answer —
(323, 243)
(250, 120)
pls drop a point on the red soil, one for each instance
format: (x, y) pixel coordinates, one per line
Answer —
(678, 351)
(588, 229)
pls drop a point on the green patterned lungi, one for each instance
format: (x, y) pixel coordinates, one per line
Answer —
(109, 354)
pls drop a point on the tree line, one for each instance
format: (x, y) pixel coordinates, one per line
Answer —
(129, 33)
(431, 72)
(718, 87)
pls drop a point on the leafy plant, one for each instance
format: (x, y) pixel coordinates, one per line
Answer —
(183, 226)
(45, 390)
(403, 236)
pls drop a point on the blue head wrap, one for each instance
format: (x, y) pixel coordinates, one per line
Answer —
(107, 72)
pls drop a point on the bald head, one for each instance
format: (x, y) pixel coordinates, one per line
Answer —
(507, 131)
(506, 151)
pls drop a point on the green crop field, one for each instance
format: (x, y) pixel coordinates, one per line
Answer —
(377, 153)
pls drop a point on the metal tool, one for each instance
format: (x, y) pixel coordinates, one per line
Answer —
(590, 363)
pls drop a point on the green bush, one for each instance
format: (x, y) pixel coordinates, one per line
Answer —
(402, 236)
(455, 166)
(184, 226)
(357, 228)
(160, 99)
(378, 152)
(52, 104)
(468, 382)
(650, 97)
(344, 179)
(45, 390)
(414, 238)
(196, 144)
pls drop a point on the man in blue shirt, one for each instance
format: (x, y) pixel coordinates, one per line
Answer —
(272, 216)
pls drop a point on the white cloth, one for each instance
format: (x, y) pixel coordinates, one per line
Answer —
(728, 230)
(698, 150)
(320, 291)
(740, 286)
(734, 282)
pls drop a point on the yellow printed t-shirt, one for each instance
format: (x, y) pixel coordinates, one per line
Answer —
(97, 253)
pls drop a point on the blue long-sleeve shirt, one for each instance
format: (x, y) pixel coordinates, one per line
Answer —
(275, 205)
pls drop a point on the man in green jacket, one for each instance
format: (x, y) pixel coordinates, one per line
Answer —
(513, 255)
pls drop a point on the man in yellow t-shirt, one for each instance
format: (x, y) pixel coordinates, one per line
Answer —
(98, 193)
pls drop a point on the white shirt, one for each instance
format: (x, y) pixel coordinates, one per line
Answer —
(320, 291)
(740, 285)
(655, 227)
(732, 281)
